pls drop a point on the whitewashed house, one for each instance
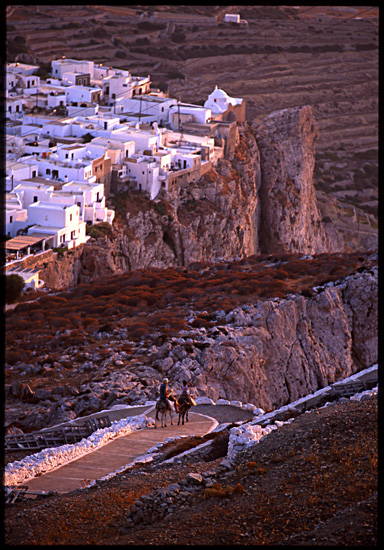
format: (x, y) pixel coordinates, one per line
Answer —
(116, 147)
(232, 18)
(14, 145)
(145, 171)
(14, 106)
(56, 99)
(203, 145)
(16, 217)
(73, 78)
(180, 113)
(145, 140)
(10, 83)
(82, 95)
(116, 86)
(148, 108)
(28, 84)
(140, 85)
(60, 220)
(90, 198)
(22, 68)
(31, 191)
(61, 66)
(17, 170)
(61, 170)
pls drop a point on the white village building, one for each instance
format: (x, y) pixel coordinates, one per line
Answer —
(224, 107)
(68, 136)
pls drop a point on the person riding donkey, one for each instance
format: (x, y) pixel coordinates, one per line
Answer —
(184, 396)
(166, 396)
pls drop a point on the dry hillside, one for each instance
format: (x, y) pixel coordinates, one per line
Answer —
(323, 56)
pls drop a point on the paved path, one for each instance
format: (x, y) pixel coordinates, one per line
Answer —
(116, 453)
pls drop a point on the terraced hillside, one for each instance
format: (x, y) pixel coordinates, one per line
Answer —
(283, 57)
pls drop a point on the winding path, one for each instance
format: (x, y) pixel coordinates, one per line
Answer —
(117, 453)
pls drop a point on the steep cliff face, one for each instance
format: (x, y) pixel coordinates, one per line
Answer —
(260, 200)
(275, 352)
(290, 219)
(218, 216)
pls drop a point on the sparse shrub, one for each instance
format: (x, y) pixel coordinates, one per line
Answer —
(102, 229)
(175, 75)
(90, 321)
(60, 322)
(13, 356)
(14, 286)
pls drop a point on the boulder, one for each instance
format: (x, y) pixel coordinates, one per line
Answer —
(204, 401)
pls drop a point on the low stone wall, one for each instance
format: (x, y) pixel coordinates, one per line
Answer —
(32, 261)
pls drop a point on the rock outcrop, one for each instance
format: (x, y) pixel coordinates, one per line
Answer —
(261, 200)
(268, 353)
(290, 219)
(275, 352)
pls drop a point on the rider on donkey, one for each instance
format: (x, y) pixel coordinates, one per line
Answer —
(166, 395)
(184, 396)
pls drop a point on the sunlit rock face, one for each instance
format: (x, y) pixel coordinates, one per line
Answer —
(290, 219)
(279, 351)
(259, 200)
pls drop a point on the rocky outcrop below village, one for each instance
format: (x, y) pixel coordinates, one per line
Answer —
(261, 200)
(269, 353)
(290, 218)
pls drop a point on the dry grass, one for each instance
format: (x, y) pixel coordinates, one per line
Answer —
(156, 301)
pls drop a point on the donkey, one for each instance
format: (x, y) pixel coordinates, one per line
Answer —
(163, 410)
(183, 407)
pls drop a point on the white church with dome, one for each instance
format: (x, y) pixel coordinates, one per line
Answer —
(224, 107)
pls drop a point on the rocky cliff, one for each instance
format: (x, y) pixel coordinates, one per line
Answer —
(260, 200)
(268, 353)
(277, 351)
(290, 219)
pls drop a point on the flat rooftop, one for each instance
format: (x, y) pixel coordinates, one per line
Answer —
(23, 241)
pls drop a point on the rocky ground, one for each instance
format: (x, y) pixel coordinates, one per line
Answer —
(53, 374)
(310, 482)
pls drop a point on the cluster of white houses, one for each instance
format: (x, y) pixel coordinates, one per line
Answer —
(88, 131)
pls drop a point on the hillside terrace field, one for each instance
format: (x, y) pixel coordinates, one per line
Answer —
(322, 56)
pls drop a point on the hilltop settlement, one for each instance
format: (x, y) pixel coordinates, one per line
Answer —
(88, 131)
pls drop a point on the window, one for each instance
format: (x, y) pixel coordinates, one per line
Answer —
(35, 199)
(70, 217)
(10, 219)
(48, 171)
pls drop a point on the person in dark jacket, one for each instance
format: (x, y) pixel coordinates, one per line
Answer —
(165, 393)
